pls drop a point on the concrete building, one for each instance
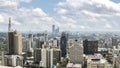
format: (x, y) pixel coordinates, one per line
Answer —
(2, 57)
(116, 62)
(25, 43)
(10, 67)
(18, 43)
(72, 65)
(55, 56)
(13, 60)
(97, 61)
(115, 40)
(39, 43)
(76, 53)
(37, 55)
(50, 57)
(54, 43)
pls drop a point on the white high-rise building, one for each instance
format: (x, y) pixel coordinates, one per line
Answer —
(50, 57)
(76, 53)
(44, 57)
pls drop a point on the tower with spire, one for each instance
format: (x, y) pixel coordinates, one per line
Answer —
(14, 41)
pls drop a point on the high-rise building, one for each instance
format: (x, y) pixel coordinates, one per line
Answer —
(63, 44)
(44, 58)
(90, 47)
(11, 46)
(39, 43)
(50, 57)
(55, 43)
(14, 41)
(55, 56)
(76, 53)
(18, 43)
(2, 59)
(53, 28)
(115, 40)
(37, 55)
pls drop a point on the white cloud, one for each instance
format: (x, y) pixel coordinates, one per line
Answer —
(70, 15)
(8, 4)
(91, 13)
(39, 12)
(27, 1)
(1, 18)
(108, 26)
(61, 11)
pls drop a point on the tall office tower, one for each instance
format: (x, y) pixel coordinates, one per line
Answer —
(44, 58)
(9, 27)
(63, 44)
(37, 55)
(25, 43)
(14, 42)
(18, 43)
(11, 46)
(50, 57)
(76, 53)
(53, 28)
(90, 47)
(30, 36)
(55, 56)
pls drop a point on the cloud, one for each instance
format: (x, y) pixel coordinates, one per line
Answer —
(108, 26)
(1, 18)
(70, 15)
(94, 14)
(26, 1)
(39, 12)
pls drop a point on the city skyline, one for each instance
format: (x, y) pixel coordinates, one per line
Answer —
(68, 15)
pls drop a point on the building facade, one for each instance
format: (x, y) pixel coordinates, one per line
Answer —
(90, 47)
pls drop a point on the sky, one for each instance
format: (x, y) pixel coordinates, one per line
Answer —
(68, 15)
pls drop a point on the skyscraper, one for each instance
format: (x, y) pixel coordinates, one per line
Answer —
(18, 43)
(11, 46)
(90, 46)
(53, 28)
(37, 55)
(76, 53)
(14, 41)
(63, 44)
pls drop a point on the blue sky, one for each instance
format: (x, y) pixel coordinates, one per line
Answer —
(70, 15)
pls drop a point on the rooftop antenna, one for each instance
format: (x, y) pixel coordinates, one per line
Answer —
(9, 26)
